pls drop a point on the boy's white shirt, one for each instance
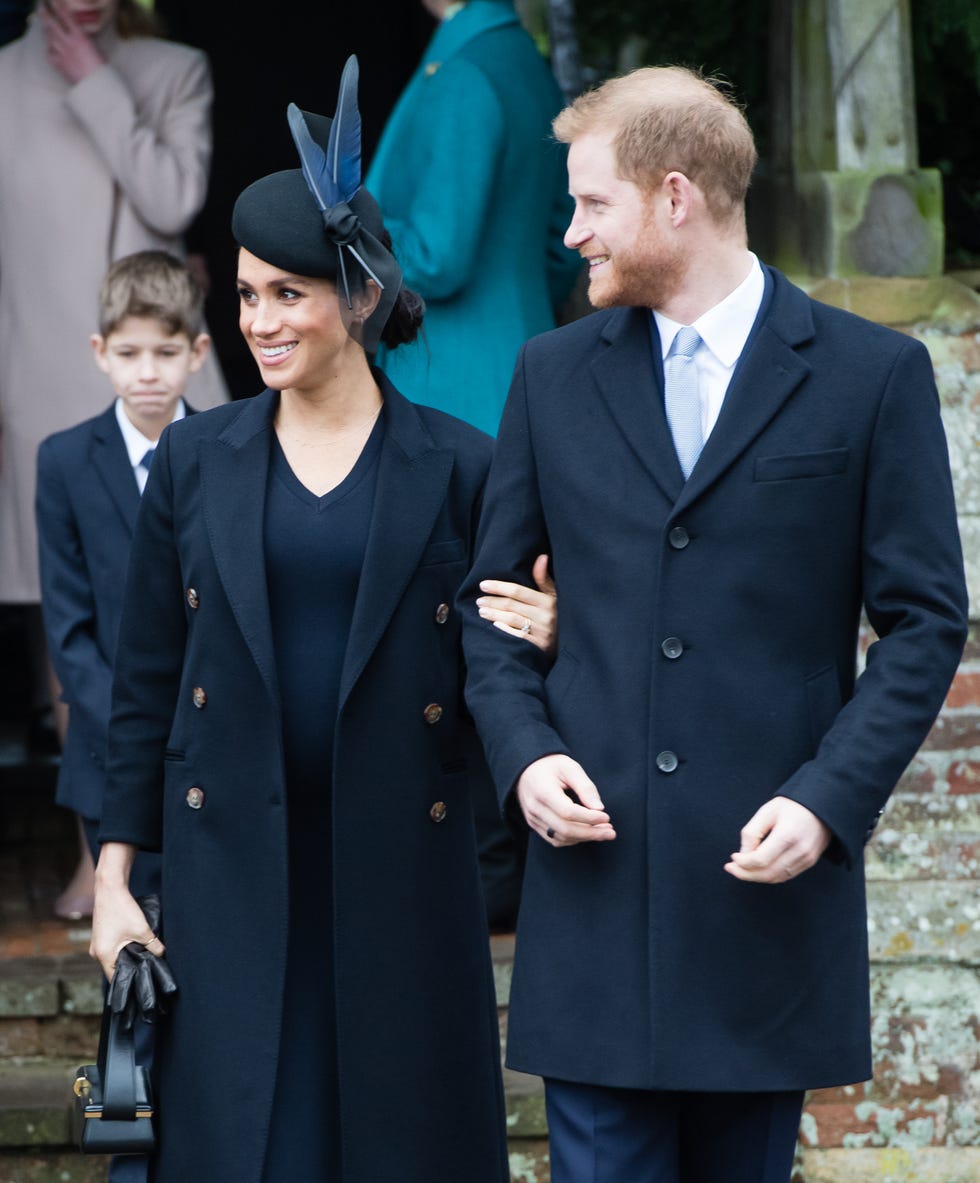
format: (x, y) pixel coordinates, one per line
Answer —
(137, 443)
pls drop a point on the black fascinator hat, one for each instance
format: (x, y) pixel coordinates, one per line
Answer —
(317, 220)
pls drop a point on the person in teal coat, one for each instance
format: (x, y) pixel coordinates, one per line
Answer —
(474, 192)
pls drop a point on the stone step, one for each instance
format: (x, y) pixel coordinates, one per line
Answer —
(69, 1167)
(35, 1132)
(50, 1003)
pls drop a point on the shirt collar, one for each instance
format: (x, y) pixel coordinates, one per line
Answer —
(136, 442)
(724, 328)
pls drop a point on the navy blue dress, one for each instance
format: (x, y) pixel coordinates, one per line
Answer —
(314, 551)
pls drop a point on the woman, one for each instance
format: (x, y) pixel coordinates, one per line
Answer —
(473, 188)
(286, 727)
(105, 143)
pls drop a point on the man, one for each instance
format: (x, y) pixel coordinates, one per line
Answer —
(677, 997)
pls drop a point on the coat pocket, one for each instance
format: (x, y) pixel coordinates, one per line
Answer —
(801, 465)
(448, 551)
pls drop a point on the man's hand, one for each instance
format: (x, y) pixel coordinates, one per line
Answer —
(561, 804)
(782, 840)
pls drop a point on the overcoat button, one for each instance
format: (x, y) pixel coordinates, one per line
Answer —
(667, 762)
(432, 713)
(442, 614)
(195, 797)
(672, 647)
(200, 698)
(192, 597)
(438, 811)
(678, 538)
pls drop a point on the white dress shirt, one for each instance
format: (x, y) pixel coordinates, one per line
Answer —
(724, 330)
(137, 443)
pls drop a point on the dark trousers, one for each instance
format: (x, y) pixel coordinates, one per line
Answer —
(144, 880)
(606, 1135)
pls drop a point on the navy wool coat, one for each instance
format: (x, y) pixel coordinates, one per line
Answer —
(418, 1047)
(824, 486)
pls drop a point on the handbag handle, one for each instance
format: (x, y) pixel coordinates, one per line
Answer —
(117, 1068)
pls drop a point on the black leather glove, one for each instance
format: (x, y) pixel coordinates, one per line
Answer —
(142, 983)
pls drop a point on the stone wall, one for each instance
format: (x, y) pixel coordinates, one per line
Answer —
(918, 1120)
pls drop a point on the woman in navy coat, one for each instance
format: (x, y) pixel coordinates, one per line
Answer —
(287, 730)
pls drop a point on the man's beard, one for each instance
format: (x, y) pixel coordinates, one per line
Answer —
(645, 276)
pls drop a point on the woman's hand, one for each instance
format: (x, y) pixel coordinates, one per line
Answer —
(117, 918)
(71, 50)
(522, 611)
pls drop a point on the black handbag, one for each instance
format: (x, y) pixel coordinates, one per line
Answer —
(113, 1112)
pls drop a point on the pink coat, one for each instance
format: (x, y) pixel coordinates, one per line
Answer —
(88, 173)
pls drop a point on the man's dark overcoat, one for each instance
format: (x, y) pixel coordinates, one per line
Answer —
(707, 641)
(196, 707)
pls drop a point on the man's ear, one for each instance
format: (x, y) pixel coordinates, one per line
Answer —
(679, 192)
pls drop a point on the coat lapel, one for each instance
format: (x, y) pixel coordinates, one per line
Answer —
(767, 374)
(631, 382)
(111, 461)
(234, 469)
(413, 475)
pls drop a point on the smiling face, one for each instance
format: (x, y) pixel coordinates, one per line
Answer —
(148, 367)
(619, 230)
(298, 328)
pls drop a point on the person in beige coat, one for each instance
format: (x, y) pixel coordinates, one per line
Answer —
(105, 145)
(93, 165)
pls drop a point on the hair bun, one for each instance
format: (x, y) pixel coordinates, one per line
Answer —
(405, 320)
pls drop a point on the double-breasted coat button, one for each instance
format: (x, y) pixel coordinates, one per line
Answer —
(672, 647)
(432, 713)
(195, 797)
(192, 597)
(667, 761)
(678, 538)
(199, 697)
(438, 811)
(442, 614)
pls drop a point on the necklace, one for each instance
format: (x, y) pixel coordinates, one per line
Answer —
(300, 442)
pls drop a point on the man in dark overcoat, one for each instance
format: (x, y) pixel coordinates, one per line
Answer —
(701, 767)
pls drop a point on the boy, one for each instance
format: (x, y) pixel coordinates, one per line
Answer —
(89, 481)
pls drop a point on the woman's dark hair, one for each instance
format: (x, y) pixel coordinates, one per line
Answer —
(406, 317)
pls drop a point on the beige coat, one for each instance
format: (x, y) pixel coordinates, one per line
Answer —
(88, 173)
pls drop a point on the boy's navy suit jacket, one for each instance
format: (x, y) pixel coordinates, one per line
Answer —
(86, 504)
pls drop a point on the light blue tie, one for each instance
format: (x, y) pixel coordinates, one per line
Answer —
(681, 399)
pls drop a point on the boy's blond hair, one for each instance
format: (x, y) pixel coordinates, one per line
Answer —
(151, 284)
(665, 119)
